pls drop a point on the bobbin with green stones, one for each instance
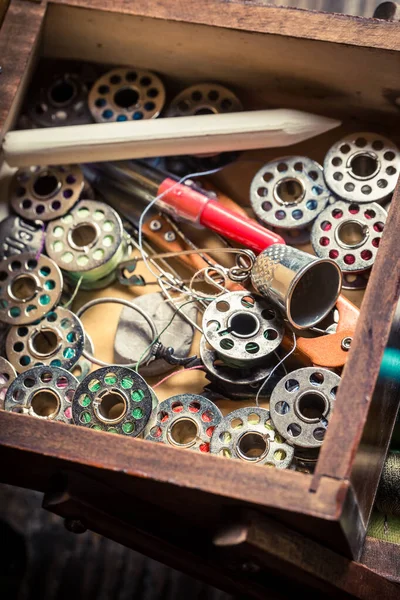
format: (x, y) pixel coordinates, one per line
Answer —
(57, 340)
(113, 399)
(88, 243)
(29, 288)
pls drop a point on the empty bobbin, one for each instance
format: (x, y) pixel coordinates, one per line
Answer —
(204, 99)
(362, 167)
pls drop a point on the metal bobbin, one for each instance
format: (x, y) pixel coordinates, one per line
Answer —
(43, 392)
(56, 340)
(249, 435)
(87, 242)
(7, 376)
(204, 99)
(45, 193)
(29, 288)
(301, 405)
(289, 192)
(231, 378)
(294, 237)
(126, 94)
(356, 281)
(113, 399)
(60, 103)
(184, 421)
(83, 366)
(349, 234)
(242, 329)
(18, 236)
(362, 167)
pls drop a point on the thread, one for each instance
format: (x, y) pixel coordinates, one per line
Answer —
(275, 368)
(176, 373)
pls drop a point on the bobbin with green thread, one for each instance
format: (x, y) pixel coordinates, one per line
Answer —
(113, 399)
(88, 243)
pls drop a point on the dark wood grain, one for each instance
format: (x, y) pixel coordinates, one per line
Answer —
(383, 558)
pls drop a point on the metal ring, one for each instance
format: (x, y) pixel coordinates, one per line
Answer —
(57, 341)
(349, 234)
(7, 376)
(62, 102)
(114, 399)
(301, 405)
(86, 238)
(46, 193)
(30, 287)
(184, 421)
(241, 328)
(148, 319)
(247, 434)
(44, 393)
(204, 98)
(289, 192)
(362, 167)
(126, 94)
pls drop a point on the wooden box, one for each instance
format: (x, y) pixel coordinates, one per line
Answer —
(330, 64)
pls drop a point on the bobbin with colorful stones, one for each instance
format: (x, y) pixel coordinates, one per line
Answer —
(204, 99)
(113, 399)
(57, 340)
(243, 329)
(7, 376)
(349, 234)
(62, 102)
(29, 288)
(289, 192)
(86, 239)
(126, 94)
(43, 392)
(362, 167)
(301, 405)
(184, 421)
(83, 366)
(45, 193)
(248, 434)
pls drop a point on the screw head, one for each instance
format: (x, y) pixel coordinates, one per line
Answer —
(74, 525)
(169, 236)
(155, 225)
(346, 343)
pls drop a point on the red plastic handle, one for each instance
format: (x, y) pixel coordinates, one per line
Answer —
(187, 203)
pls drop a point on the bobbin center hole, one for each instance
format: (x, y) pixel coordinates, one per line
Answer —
(184, 432)
(44, 342)
(311, 406)
(83, 235)
(126, 97)
(45, 403)
(23, 287)
(62, 92)
(243, 324)
(364, 165)
(352, 234)
(252, 446)
(205, 110)
(46, 185)
(110, 407)
(289, 191)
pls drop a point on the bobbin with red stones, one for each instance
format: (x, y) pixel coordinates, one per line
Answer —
(184, 421)
(204, 99)
(29, 288)
(349, 234)
(43, 392)
(243, 329)
(289, 192)
(248, 434)
(61, 103)
(362, 167)
(114, 399)
(7, 376)
(57, 340)
(46, 193)
(301, 405)
(126, 94)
